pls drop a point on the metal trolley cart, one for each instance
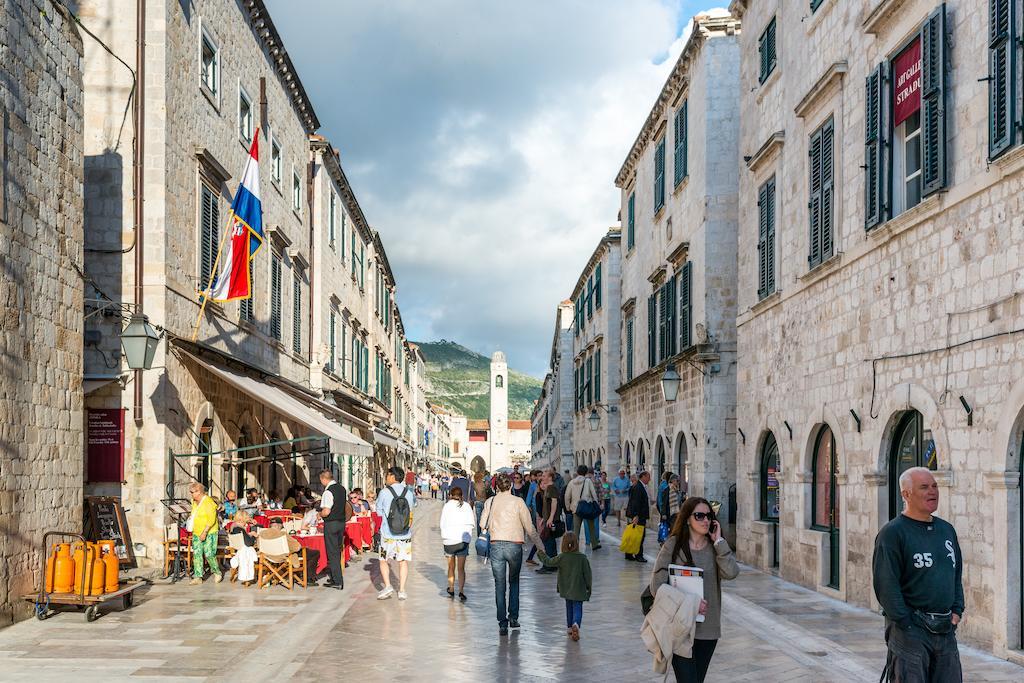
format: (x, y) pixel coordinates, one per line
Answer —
(44, 600)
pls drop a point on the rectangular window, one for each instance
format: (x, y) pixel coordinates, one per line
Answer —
(766, 51)
(597, 376)
(342, 360)
(245, 116)
(332, 348)
(246, 307)
(821, 154)
(297, 315)
(1004, 76)
(597, 287)
(631, 222)
(652, 326)
(209, 70)
(629, 348)
(590, 380)
(275, 161)
(663, 309)
(332, 218)
(686, 306)
(296, 192)
(342, 240)
(659, 175)
(275, 295)
(362, 266)
(590, 297)
(766, 239)
(353, 269)
(679, 131)
(209, 233)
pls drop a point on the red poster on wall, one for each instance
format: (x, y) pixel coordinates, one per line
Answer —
(105, 444)
(907, 74)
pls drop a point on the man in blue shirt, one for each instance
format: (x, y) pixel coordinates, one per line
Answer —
(395, 544)
(620, 494)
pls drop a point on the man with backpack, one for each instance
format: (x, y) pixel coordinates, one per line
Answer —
(394, 505)
(582, 501)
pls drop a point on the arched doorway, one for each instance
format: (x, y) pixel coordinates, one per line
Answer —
(477, 464)
(659, 455)
(770, 490)
(912, 446)
(682, 466)
(641, 456)
(629, 456)
(202, 469)
(825, 497)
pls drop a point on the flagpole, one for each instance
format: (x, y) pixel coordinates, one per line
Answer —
(213, 274)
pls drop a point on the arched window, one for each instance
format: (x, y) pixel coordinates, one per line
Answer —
(499, 381)
(202, 471)
(629, 454)
(770, 479)
(824, 500)
(641, 457)
(682, 466)
(912, 446)
(660, 457)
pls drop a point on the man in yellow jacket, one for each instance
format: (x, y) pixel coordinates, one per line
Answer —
(204, 534)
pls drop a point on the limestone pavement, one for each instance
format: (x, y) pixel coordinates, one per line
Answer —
(773, 631)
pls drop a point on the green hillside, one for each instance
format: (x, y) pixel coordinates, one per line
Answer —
(459, 379)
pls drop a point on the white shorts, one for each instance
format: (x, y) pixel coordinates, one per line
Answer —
(619, 503)
(396, 549)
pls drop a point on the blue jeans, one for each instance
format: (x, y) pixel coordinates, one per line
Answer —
(478, 507)
(549, 546)
(607, 510)
(573, 613)
(506, 561)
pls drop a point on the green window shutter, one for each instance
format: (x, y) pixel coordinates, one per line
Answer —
(629, 349)
(344, 340)
(652, 349)
(246, 306)
(296, 315)
(209, 235)
(933, 102)
(342, 240)
(1002, 68)
(353, 263)
(814, 203)
(685, 306)
(827, 190)
(597, 287)
(762, 241)
(659, 175)
(330, 342)
(631, 221)
(590, 380)
(770, 238)
(815, 4)
(874, 127)
(671, 327)
(275, 296)
(590, 297)
(679, 132)
(663, 309)
(597, 376)
(766, 51)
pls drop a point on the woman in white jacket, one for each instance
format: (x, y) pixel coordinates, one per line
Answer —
(457, 525)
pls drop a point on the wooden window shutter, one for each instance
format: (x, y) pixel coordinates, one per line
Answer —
(933, 104)
(686, 306)
(590, 297)
(659, 175)
(629, 349)
(814, 203)
(671, 329)
(246, 307)
(827, 190)
(597, 287)
(297, 315)
(332, 347)
(597, 376)
(679, 162)
(631, 221)
(652, 338)
(275, 296)
(762, 241)
(770, 238)
(1001, 66)
(663, 309)
(766, 51)
(590, 380)
(209, 235)
(874, 128)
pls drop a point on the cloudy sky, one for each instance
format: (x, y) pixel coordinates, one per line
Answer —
(482, 140)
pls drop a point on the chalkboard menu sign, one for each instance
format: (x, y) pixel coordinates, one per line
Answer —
(105, 521)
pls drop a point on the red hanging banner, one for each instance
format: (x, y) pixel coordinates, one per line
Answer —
(907, 75)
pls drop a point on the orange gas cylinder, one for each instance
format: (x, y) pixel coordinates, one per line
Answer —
(99, 571)
(51, 562)
(83, 566)
(112, 564)
(64, 569)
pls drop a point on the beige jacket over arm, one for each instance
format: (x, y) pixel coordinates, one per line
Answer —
(506, 518)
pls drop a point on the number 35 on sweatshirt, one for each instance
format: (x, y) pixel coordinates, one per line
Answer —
(917, 566)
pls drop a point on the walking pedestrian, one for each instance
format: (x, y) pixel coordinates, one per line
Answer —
(606, 497)
(508, 522)
(697, 540)
(395, 508)
(533, 477)
(575, 581)
(461, 481)
(519, 487)
(620, 494)
(481, 491)
(435, 486)
(457, 524)
(579, 494)
(550, 523)
(205, 529)
(918, 569)
(332, 511)
(638, 509)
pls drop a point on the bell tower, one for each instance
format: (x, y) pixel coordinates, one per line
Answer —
(499, 412)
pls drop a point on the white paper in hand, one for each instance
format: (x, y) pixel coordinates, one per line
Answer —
(689, 580)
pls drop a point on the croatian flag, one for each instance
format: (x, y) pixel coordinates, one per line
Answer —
(232, 279)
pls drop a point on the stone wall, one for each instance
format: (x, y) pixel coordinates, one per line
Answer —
(41, 418)
(938, 288)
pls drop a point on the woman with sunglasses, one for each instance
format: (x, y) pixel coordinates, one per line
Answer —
(519, 486)
(696, 541)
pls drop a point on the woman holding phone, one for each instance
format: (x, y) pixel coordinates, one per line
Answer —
(696, 541)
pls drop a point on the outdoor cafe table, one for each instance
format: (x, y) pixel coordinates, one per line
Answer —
(314, 542)
(366, 525)
(353, 535)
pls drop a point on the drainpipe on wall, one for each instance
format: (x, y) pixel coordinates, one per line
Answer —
(312, 247)
(137, 177)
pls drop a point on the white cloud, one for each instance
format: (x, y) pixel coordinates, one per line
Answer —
(483, 141)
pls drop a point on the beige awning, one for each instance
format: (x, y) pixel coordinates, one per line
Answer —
(385, 439)
(343, 442)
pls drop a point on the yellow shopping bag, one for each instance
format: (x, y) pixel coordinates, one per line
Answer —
(632, 537)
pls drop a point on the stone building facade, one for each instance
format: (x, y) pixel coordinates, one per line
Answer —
(42, 290)
(254, 374)
(552, 417)
(880, 309)
(678, 245)
(596, 353)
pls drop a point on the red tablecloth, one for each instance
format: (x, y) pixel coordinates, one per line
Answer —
(377, 519)
(262, 520)
(353, 535)
(366, 524)
(315, 542)
(277, 513)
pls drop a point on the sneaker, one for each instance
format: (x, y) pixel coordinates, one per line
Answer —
(514, 623)
(196, 581)
(402, 595)
(574, 632)
(217, 578)
(532, 563)
(386, 593)
(503, 630)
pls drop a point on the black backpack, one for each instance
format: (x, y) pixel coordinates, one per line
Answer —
(398, 513)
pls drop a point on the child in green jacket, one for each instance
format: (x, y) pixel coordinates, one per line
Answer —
(574, 580)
